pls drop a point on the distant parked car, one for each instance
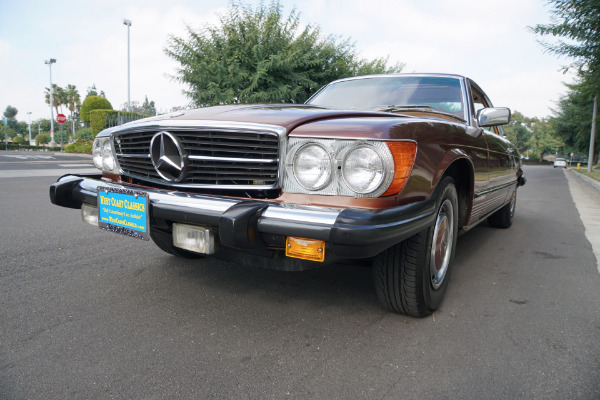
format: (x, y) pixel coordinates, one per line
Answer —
(560, 162)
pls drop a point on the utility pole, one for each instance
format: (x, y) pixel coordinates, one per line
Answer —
(29, 114)
(52, 142)
(592, 136)
(5, 134)
(128, 23)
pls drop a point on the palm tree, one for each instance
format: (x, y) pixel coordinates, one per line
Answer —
(58, 96)
(73, 100)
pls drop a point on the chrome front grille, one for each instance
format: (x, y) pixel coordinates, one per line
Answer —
(216, 158)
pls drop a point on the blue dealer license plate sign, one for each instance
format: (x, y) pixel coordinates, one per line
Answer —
(124, 211)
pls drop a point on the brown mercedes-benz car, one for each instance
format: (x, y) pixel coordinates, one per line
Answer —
(386, 168)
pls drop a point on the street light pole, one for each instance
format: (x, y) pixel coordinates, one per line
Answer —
(52, 142)
(592, 136)
(128, 23)
(29, 114)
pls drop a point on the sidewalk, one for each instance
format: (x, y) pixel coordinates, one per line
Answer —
(594, 184)
(585, 192)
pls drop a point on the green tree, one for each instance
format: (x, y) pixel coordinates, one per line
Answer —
(93, 103)
(21, 128)
(576, 26)
(85, 133)
(73, 100)
(40, 125)
(519, 130)
(14, 127)
(42, 138)
(148, 107)
(10, 112)
(543, 139)
(262, 56)
(10, 132)
(59, 97)
(572, 119)
(92, 91)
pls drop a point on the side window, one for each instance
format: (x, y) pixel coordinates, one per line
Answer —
(480, 102)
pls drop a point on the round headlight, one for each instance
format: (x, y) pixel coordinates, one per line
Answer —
(107, 156)
(97, 153)
(312, 166)
(363, 169)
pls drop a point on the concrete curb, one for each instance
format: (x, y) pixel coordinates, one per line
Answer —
(589, 181)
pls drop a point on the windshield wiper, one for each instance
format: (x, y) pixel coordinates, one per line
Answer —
(408, 107)
(422, 108)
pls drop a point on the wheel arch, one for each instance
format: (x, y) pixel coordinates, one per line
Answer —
(461, 171)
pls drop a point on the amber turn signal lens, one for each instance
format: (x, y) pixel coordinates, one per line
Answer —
(306, 249)
(404, 158)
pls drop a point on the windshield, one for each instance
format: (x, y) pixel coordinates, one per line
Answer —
(391, 93)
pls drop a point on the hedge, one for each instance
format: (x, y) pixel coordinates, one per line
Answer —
(102, 119)
(98, 120)
(80, 146)
(21, 147)
(93, 103)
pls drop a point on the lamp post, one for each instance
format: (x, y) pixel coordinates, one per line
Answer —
(592, 136)
(52, 142)
(128, 23)
(29, 114)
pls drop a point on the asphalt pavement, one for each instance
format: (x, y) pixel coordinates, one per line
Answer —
(87, 314)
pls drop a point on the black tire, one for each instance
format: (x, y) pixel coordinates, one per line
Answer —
(411, 277)
(503, 217)
(164, 241)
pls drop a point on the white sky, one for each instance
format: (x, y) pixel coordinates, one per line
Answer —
(485, 40)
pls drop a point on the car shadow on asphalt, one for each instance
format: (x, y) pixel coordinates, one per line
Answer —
(339, 285)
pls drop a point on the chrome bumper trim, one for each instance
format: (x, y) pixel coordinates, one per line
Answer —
(275, 212)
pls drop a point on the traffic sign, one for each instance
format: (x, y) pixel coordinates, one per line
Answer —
(61, 118)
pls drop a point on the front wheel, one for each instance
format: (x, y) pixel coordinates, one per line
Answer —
(503, 217)
(411, 277)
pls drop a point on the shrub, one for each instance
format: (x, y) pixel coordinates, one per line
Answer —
(42, 138)
(85, 133)
(19, 139)
(93, 103)
(101, 119)
(80, 146)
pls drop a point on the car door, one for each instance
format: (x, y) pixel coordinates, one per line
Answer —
(501, 164)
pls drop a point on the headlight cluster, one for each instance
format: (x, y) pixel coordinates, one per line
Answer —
(103, 155)
(359, 168)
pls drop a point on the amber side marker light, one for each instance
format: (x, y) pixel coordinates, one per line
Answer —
(306, 249)
(404, 158)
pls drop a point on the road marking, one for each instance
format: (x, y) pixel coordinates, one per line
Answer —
(27, 173)
(587, 201)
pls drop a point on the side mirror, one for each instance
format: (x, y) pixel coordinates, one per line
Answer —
(493, 116)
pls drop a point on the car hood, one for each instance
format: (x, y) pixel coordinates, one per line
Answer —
(287, 116)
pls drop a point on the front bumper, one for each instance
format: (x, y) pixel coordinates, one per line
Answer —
(248, 224)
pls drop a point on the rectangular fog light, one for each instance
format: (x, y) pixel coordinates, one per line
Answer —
(89, 214)
(194, 238)
(306, 249)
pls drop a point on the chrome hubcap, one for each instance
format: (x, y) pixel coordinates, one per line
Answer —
(441, 246)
